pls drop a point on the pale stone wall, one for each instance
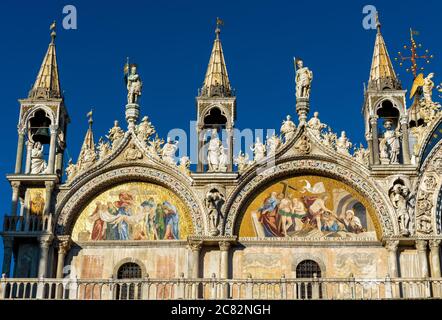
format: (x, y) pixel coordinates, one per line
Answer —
(271, 262)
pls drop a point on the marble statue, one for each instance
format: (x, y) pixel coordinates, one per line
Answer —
(145, 129)
(168, 151)
(184, 165)
(213, 153)
(223, 160)
(38, 164)
(399, 198)
(87, 158)
(115, 135)
(389, 145)
(242, 161)
(103, 149)
(154, 146)
(316, 125)
(214, 202)
(303, 80)
(259, 150)
(427, 89)
(360, 154)
(329, 138)
(343, 144)
(288, 128)
(71, 170)
(134, 86)
(273, 143)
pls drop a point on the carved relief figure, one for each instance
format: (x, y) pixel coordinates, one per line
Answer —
(115, 135)
(259, 150)
(71, 170)
(145, 129)
(213, 153)
(273, 143)
(342, 144)
(399, 199)
(242, 161)
(214, 202)
(133, 153)
(316, 125)
(134, 86)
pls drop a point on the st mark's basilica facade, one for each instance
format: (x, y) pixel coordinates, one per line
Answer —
(308, 216)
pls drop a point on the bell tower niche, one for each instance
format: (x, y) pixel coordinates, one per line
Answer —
(216, 113)
(385, 114)
(38, 169)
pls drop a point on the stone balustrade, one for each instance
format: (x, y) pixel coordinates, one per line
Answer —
(27, 224)
(215, 288)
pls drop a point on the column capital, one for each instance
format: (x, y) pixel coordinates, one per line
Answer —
(46, 241)
(195, 245)
(64, 244)
(224, 245)
(21, 130)
(373, 119)
(434, 244)
(421, 245)
(15, 185)
(53, 129)
(392, 245)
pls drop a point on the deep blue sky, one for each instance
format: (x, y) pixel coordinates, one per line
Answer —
(171, 42)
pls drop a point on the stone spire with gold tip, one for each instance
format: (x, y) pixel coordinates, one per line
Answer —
(88, 154)
(216, 82)
(47, 84)
(382, 75)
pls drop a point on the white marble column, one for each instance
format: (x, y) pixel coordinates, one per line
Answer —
(195, 249)
(29, 146)
(375, 136)
(52, 147)
(435, 258)
(405, 143)
(393, 267)
(15, 192)
(20, 147)
(224, 247)
(63, 247)
(421, 246)
(48, 197)
(45, 243)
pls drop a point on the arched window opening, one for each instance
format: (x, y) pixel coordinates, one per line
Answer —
(309, 269)
(125, 290)
(39, 128)
(215, 118)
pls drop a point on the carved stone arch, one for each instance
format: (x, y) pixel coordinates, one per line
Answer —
(397, 103)
(75, 199)
(246, 191)
(430, 134)
(120, 263)
(31, 112)
(429, 186)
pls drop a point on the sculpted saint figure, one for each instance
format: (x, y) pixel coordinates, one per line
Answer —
(134, 86)
(214, 203)
(389, 145)
(115, 134)
(303, 80)
(342, 144)
(288, 128)
(400, 203)
(223, 160)
(213, 153)
(71, 170)
(316, 125)
(145, 129)
(242, 161)
(273, 143)
(168, 151)
(103, 149)
(132, 153)
(38, 164)
(259, 150)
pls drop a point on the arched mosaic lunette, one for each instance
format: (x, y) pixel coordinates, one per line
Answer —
(77, 199)
(245, 192)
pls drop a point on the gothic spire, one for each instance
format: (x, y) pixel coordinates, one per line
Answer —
(47, 84)
(216, 82)
(382, 75)
(87, 152)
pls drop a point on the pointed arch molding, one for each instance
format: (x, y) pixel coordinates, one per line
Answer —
(78, 197)
(247, 190)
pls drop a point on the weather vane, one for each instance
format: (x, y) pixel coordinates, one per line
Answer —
(414, 57)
